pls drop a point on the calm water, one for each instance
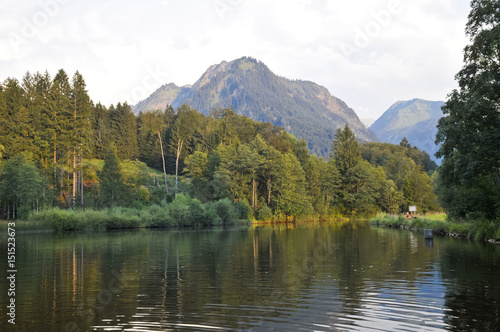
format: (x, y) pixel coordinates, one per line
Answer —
(323, 277)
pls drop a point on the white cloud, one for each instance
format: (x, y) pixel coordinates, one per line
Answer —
(413, 51)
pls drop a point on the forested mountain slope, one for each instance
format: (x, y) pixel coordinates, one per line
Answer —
(303, 108)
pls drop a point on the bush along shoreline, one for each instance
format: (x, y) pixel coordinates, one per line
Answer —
(481, 229)
(183, 211)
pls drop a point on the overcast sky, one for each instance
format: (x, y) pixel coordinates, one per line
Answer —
(369, 53)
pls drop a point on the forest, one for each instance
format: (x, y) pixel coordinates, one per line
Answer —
(60, 150)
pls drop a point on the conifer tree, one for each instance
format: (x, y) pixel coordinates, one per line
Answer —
(101, 130)
(112, 188)
(20, 187)
(124, 130)
(345, 150)
(14, 120)
(80, 128)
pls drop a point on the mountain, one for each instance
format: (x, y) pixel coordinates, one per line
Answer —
(367, 122)
(163, 96)
(414, 119)
(303, 108)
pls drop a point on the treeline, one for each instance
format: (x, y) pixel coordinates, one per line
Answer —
(469, 133)
(51, 131)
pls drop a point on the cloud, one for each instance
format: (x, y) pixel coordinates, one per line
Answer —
(396, 49)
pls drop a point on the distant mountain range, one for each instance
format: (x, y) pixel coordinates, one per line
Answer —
(303, 108)
(415, 119)
(367, 122)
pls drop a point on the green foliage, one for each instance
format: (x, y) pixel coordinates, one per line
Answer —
(124, 130)
(264, 213)
(470, 131)
(21, 187)
(226, 211)
(242, 209)
(386, 155)
(180, 210)
(303, 108)
(232, 166)
(413, 121)
(113, 191)
(345, 150)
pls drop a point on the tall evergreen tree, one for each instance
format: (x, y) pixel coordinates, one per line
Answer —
(124, 131)
(20, 187)
(101, 130)
(345, 150)
(81, 134)
(112, 188)
(14, 120)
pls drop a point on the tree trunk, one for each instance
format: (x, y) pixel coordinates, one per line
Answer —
(55, 165)
(73, 200)
(81, 178)
(253, 192)
(179, 149)
(163, 159)
(268, 192)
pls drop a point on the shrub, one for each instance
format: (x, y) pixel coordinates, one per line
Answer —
(61, 220)
(179, 210)
(157, 216)
(264, 213)
(242, 209)
(198, 215)
(225, 211)
(212, 218)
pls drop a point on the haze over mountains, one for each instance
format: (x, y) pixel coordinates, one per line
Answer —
(303, 108)
(415, 119)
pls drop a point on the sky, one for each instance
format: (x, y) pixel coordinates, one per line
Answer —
(369, 53)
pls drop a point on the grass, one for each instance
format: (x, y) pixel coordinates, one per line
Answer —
(184, 211)
(484, 230)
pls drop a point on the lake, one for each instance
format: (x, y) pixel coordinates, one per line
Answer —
(344, 276)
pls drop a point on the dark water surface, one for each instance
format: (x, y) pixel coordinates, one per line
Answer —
(322, 277)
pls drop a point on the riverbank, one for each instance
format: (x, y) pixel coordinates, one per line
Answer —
(482, 230)
(182, 212)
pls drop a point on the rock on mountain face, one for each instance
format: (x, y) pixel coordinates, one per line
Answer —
(415, 119)
(303, 108)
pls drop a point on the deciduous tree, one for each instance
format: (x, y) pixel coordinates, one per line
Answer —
(469, 133)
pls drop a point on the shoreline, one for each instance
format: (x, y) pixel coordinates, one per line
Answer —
(480, 230)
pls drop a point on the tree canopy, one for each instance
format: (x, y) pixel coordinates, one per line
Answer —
(469, 133)
(101, 155)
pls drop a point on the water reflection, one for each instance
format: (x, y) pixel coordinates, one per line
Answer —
(341, 276)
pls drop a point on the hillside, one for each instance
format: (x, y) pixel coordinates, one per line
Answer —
(165, 95)
(414, 119)
(303, 108)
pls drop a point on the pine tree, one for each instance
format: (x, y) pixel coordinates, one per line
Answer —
(14, 120)
(81, 135)
(345, 150)
(124, 131)
(112, 188)
(20, 187)
(101, 131)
